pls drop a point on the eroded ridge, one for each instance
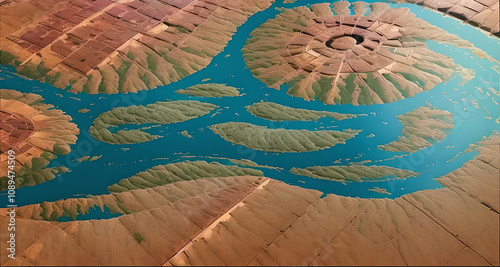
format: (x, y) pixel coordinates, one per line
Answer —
(479, 13)
(324, 52)
(117, 46)
(280, 140)
(247, 221)
(158, 113)
(36, 133)
(210, 90)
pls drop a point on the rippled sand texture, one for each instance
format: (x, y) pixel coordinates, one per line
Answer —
(210, 90)
(158, 113)
(354, 173)
(479, 13)
(422, 128)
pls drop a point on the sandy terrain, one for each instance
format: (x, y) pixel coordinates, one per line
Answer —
(479, 13)
(247, 221)
(108, 47)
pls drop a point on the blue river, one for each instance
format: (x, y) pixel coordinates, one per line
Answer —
(121, 161)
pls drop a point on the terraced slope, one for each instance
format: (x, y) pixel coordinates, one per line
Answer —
(157, 113)
(326, 53)
(483, 14)
(109, 47)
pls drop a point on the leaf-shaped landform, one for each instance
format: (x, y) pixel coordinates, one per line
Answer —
(262, 222)
(118, 46)
(174, 172)
(210, 90)
(421, 128)
(354, 173)
(280, 140)
(158, 113)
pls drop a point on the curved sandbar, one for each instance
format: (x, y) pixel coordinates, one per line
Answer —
(159, 113)
(129, 202)
(280, 140)
(422, 128)
(174, 172)
(354, 173)
(276, 112)
(210, 90)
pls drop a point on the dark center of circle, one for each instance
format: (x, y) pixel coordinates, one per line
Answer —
(345, 42)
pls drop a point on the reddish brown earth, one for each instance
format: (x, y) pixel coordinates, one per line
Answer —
(15, 128)
(112, 46)
(250, 221)
(480, 13)
(325, 52)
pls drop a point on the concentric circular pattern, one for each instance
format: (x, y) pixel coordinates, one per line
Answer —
(324, 52)
(33, 130)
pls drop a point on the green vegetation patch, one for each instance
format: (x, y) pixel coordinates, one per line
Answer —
(159, 113)
(210, 90)
(138, 237)
(176, 172)
(354, 173)
(280, 140)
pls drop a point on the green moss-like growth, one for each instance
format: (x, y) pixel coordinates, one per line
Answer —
(277, 112)
(34, 71)
(152, 65)
(210, 90)
(138, 237)
(131, 56)
(85, 87)
(52, 79)
(29, 177)
(159, 113)
(280, 140)
(422, 127)
(122, 74)
(6, 57)
(176, 172)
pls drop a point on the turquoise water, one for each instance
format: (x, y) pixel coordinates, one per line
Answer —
(122, 161)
